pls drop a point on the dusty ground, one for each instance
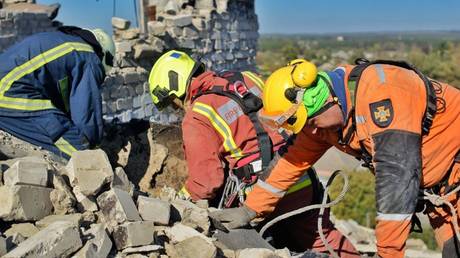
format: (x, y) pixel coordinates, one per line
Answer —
(135, 147)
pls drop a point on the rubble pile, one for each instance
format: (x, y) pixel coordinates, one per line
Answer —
(86, 209)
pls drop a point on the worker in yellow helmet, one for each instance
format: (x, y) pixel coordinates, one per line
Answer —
(400, 123)
(227, 148)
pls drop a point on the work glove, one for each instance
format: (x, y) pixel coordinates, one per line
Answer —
(234, 217)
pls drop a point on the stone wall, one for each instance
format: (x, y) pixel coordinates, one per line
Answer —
(14, 26)
(221, 33)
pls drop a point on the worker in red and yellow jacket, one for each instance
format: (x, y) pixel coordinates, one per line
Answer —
(226, 147)
(402, 124)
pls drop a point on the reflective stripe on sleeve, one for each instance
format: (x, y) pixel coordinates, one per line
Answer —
(303, 182)
(65, 146)
(220, 126)
(31, 66)
(393, 216)
(266, 186)
(256, 79)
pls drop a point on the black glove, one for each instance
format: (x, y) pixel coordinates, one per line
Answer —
(234, 217)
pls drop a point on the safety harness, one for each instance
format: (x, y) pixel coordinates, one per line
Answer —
(353, 82)
(250, 104)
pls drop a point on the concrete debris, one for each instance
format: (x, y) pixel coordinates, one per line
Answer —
(120, 23)
(26, 173)
(121, 181)
(74, 219)
(133, 234)
(84, 203)
(90, 170)
(195, 247)
(25, 229)
(142, 249)
(59, 239)
(3, 249)
(155, 210)
(98, 243)
(180, 232)
(24, 202)
(256, 253)
(117, 207)
(182, 228)
(61, 196)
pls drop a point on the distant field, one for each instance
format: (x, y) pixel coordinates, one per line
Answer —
(437, 54)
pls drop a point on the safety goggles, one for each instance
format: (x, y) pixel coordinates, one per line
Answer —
(277, 120)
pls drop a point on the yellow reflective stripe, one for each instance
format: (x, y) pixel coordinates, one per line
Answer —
(255, 78)
(220, 126)
(304, 181)
(29, 67)
(65, 146)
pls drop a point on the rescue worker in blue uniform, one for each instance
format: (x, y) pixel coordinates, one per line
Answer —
(50, 90)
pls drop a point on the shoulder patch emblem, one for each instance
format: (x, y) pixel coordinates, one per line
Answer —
(382, 112)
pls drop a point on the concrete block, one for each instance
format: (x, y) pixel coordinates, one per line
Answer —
(142, 249)
(98, 243)
(3, 249)
(129, 33)
(120, 23)
(133, 234)
(121, 181)
(59, 239)
(24, 203)
(131, 77)
(156, 28)
(204, 4)
(179, 20)
(25, 229)
(84, 203)
(190, 33)
(195, 247)
(152, 209)
(75, 219)
(89, 170)
(25, 172)
(180, 232)
(123, 46)
(143, 51)
(256, 252)
(172, 7)
(117, 207)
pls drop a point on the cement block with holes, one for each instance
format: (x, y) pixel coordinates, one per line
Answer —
(25, 172)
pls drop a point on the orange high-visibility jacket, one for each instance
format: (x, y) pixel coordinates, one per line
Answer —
(390, 106)
(217, 135)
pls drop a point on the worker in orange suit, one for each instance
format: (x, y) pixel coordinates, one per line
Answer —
(226, 146)
(401, 123)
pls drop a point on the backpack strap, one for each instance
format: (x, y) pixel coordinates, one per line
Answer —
(250, 104)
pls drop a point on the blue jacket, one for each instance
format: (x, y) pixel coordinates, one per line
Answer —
(50, 92)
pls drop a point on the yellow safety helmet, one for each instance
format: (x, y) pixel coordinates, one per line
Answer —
(170, 76)
(283, 92)
(108, 48)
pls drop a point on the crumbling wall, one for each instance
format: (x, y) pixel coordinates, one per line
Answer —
(221, 33)
(15, 26)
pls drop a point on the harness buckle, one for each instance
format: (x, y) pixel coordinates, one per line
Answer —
(240, 89)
